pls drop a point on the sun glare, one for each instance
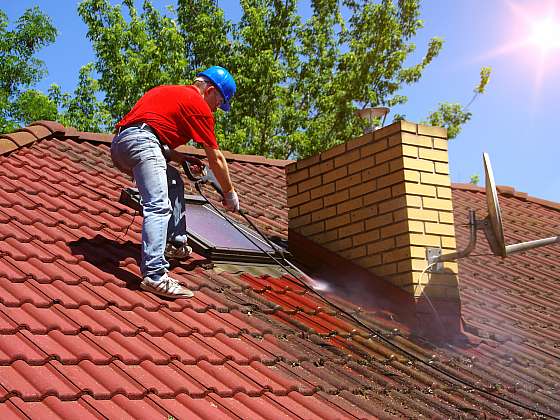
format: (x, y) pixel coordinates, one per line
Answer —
(546, 35)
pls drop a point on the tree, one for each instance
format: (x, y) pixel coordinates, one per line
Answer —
(299, 82)
(20, 69)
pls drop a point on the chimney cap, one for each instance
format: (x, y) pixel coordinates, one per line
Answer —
(369, 114)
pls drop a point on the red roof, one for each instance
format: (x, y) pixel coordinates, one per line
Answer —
(80, 339)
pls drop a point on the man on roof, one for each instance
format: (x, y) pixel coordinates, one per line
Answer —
(170, 116)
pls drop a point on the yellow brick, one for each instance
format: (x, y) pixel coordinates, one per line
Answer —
(363, 213)
(388, 130)
(359, 141)
(299, 221)
(408, 126)
(340, 244)
(433, 179)
(338, 197)
(411, 264)
(346, 158)
(325, 237)
(293, 212)
(398, 190)
(361, 165)
(370, 261)
(442, 168)
(389, 154)
(410, 151)
(451, 266)
(448, 243)
(375, 172)
(291, 168)
(418, 164)
(312, 229)
(292, 190)
(363, 188)
(375, 147)
(311, 206)
(440, 144)
(348, 181)
(386, 269)
(402, 240)
(334, 151)
(322, 191)
(350, 230)
(322, 168)
(397, 254)
(414, 140)
(348, 206)
(445, 217)
(353, 253)
(420, 189)
(437, 204)
(366, 237)
(424, 240)
(421, 214)
(379, 221)
(411, 176)
(412, 201)
(335, 174)
(435, 155)
(309, 184)
(381, 246)
(392, 204)
(444, 192)
(448, 279)
(310, 161)
(394, 230)
(432, 131)
(338, 221)
(396, 165)
(323, 214)
(417, 252)
(415, 226)
(299, 199)
(377, 196)
(297, 177)
(390, 179)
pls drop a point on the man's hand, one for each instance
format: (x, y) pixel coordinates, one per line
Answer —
(231, 201)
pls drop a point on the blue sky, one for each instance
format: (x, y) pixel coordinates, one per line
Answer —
(515, 121)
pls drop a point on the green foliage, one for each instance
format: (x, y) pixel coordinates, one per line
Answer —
(83, 110)
(475, 179)
(454, 115)
(20, 69)
(300, 81)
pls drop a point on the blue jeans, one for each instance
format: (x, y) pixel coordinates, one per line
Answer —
(137, 152)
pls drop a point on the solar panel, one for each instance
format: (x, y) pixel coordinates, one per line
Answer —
(211, 235)
(213, 229)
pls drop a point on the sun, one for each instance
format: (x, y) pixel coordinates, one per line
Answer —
(546, 35)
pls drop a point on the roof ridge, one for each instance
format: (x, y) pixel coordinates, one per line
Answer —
(508, 191)
(39, 130)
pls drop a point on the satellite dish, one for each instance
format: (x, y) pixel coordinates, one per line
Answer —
(492, 226)
(495, 233)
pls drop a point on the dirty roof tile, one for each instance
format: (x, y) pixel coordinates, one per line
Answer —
(250, 345)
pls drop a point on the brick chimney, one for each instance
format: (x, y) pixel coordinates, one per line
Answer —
(379, 201)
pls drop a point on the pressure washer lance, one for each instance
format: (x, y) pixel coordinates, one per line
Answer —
(207, 177)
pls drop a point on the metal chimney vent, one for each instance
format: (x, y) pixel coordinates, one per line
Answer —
(370, 115)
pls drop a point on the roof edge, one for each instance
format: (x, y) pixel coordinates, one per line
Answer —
(508, 191)
(39, 130)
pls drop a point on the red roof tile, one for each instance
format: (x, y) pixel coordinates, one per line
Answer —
(80, 339)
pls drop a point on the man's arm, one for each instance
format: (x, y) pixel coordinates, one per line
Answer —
(219, 166)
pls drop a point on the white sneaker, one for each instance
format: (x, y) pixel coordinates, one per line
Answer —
(166, 287)
(173, 252)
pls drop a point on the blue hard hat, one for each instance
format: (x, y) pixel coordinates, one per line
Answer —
(223, 80)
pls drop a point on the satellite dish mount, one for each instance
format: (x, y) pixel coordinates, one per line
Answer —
(491, 226)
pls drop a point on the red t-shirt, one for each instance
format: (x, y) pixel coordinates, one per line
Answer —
(176, 113)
